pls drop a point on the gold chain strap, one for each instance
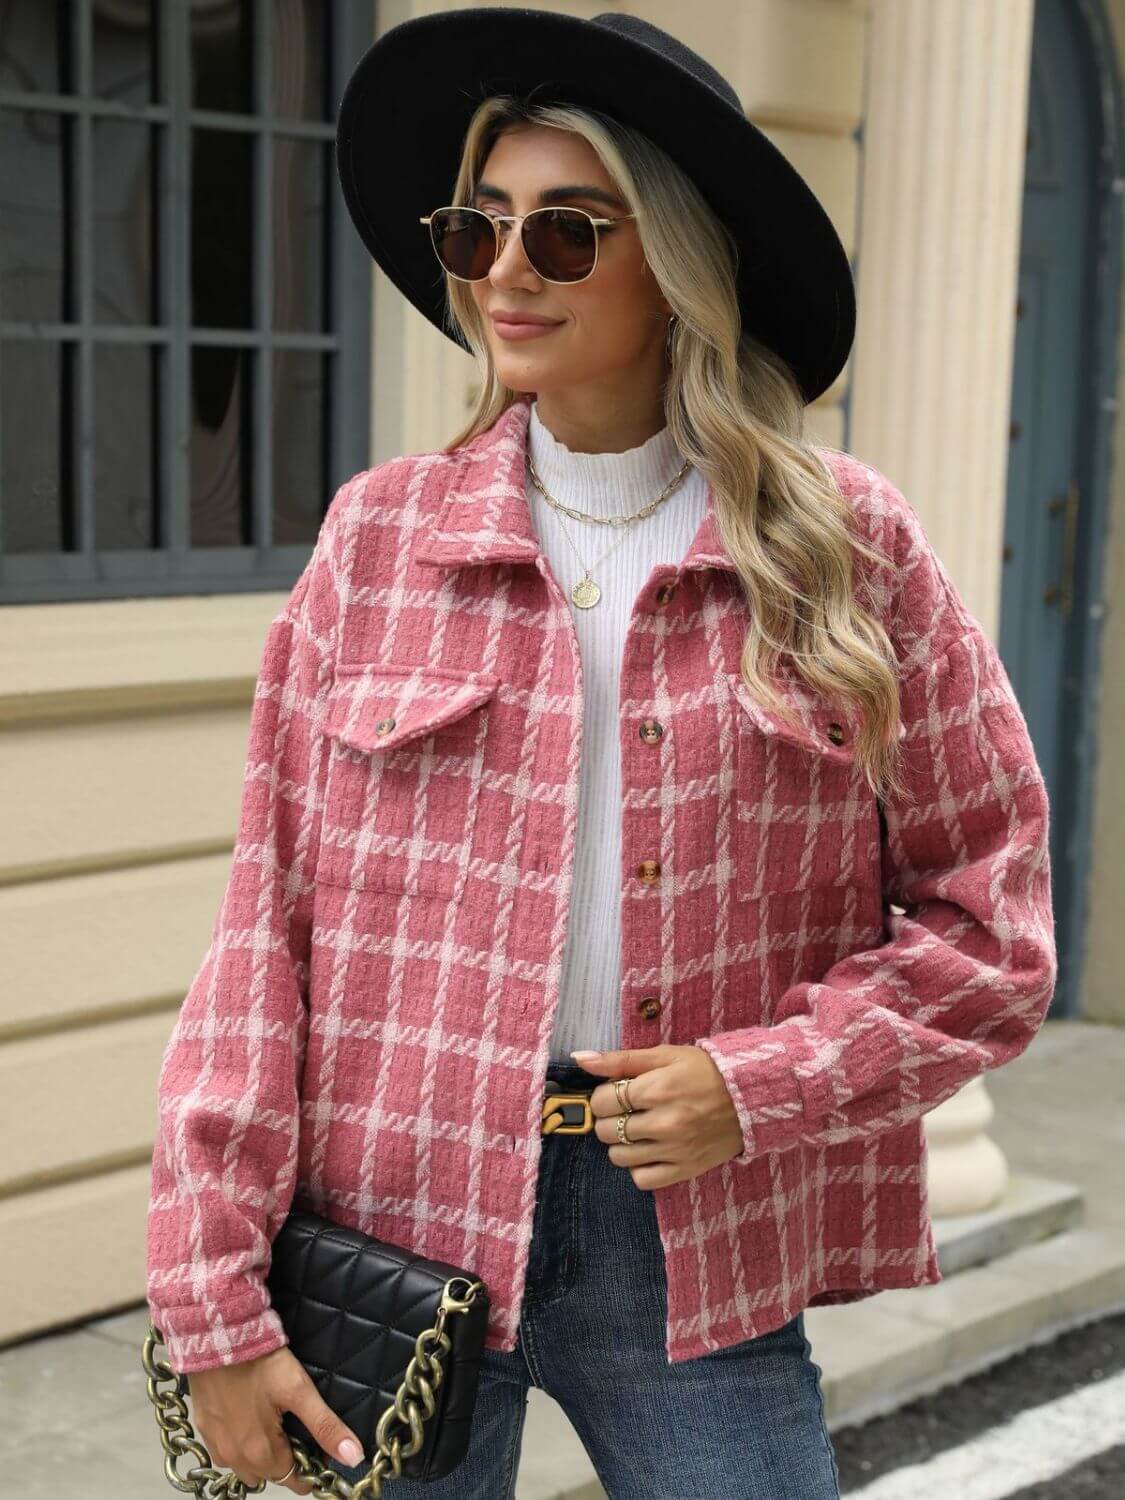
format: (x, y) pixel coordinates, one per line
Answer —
(424, 1375)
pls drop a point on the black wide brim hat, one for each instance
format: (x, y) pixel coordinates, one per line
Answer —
(406, 107)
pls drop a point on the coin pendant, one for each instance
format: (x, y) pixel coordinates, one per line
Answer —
(585, 593)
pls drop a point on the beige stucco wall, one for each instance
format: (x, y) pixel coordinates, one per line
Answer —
(125, 725)
(123, 730)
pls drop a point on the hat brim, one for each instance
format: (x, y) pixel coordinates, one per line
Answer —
(405, 109)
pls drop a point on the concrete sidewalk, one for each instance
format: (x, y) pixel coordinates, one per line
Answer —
(76, 1413)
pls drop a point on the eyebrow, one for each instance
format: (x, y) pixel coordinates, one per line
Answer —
(554, 194)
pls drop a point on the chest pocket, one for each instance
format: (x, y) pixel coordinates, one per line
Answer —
(804, 814)
(404, 777)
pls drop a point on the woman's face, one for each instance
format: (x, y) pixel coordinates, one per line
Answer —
(609, 330)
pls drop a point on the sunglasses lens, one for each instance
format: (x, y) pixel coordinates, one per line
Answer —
(561, 243)
(464, 241)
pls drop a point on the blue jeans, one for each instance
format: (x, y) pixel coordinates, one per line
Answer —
(744, 1421)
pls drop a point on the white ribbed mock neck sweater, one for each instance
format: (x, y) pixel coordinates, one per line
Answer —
(589, 1013)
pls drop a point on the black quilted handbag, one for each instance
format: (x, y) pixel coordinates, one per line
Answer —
(374, 1326)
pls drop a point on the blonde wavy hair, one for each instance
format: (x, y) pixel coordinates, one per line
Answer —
(735, 410)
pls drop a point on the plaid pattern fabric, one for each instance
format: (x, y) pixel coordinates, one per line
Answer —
(367, 1034)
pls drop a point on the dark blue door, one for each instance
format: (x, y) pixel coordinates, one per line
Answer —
(1047, 541)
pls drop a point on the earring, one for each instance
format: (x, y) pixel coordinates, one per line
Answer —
(668, 339)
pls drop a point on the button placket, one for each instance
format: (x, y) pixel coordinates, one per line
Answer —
(650, 732)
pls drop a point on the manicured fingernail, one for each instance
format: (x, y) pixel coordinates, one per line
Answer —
(582, 1056)
(350, 1451)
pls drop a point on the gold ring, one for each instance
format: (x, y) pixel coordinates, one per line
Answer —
(622, 1138)
(288, 1474)
(619, 1084)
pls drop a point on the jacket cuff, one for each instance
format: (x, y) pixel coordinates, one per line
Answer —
(759, 1068)
(201, 1338)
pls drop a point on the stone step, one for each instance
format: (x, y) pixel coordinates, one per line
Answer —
(915, 1341)
(1032, 1209)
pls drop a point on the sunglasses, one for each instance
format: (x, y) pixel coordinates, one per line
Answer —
(561, 244)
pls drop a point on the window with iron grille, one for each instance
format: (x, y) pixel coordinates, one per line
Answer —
(184, 314)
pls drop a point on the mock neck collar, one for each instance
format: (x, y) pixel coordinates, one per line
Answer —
(484, 517)
(603, 483)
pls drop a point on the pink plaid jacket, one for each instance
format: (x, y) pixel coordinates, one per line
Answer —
(367, 1035)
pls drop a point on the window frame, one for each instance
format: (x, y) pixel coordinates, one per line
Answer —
(175, 567)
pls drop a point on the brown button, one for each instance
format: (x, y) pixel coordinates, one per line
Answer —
(664, 593)
(649, 1007)
(651, 731)
(384, 726)
(649, 871)
(836, 733)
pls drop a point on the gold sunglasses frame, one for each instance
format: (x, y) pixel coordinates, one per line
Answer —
(497, 219)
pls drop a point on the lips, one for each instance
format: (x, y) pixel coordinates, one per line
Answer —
(519, 321)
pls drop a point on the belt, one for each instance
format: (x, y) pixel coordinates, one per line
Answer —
(566, 1111)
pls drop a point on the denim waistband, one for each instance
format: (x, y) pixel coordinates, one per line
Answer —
(573, 1075)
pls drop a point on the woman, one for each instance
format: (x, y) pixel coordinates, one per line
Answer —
(619, 722)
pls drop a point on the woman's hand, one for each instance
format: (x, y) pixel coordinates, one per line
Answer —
(685, 1120)
(236, 1409)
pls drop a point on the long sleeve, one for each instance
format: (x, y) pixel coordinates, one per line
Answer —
(964, 981)
(224, 1159)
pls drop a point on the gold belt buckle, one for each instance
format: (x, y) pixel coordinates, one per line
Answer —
(559, 1112)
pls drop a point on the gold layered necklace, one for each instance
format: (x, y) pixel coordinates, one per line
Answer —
(586, 592)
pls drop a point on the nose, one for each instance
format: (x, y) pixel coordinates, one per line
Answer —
(511, 257)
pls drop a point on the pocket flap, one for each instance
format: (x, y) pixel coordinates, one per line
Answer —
(376, 706)
(819, 724)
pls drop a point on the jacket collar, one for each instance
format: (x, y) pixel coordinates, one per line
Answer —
(485, 517)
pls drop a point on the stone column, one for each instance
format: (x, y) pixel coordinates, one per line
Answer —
(937, 270)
